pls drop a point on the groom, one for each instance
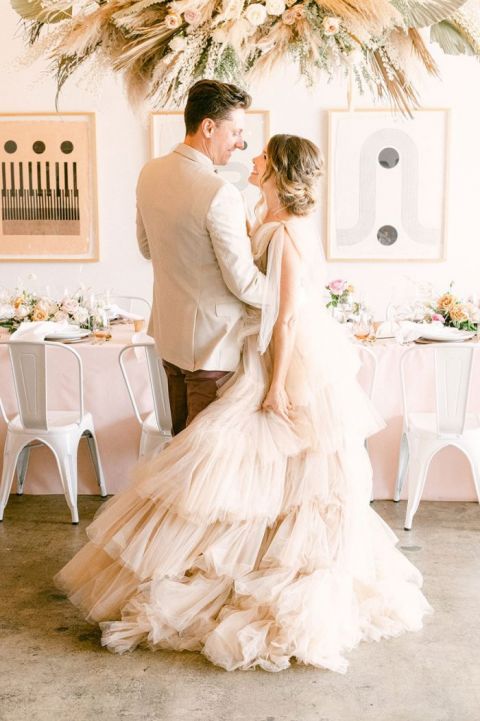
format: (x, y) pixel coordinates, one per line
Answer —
(191, 223)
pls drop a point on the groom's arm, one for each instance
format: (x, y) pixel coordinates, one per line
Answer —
(142, 237)
(226, 225)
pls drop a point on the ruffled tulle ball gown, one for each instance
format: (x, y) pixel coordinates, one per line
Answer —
(247, 538)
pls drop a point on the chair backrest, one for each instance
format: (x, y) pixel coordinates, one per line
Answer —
(368, 370)
(452, 375)
(29, 366)
(131, 303)
(158, 385)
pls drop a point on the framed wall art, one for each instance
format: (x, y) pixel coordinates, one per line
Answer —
(387, 185)
(168, 129)
(49, 188)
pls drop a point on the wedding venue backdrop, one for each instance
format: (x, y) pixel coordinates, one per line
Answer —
(123, 145)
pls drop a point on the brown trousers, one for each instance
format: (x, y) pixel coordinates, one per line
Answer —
(189, 393)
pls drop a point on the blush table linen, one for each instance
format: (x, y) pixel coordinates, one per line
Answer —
(118, 432)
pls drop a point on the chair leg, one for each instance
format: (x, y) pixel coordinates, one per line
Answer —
(93, 447)
(420, 459)
(472, 451)
(11, 453)
(372, 495)
(402, 467)
(22, 466)
(67, 465)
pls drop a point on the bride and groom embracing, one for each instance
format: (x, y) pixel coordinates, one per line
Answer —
(250, 536)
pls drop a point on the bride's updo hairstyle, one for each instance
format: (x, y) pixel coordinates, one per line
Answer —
(296, 166)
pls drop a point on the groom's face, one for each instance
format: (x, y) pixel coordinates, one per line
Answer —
(227, 136)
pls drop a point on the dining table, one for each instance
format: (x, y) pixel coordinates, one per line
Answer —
(118, 432)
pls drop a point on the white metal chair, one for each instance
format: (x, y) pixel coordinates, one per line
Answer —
(425, 433)
(156, 425)
(133, 303)
(367, 377)
(36, 424)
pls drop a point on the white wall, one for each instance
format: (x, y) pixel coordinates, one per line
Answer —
(122, 148)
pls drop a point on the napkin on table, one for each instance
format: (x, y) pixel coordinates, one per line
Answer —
(114, 311)
(408, 331)
(37, 330)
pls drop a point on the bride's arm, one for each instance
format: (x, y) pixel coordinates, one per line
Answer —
(283, 337)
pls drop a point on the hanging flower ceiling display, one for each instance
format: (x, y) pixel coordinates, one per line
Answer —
(163, 47)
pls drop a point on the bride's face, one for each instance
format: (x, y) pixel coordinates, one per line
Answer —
(259, 167)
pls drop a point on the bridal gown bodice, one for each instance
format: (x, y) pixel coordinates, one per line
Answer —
(247, 538)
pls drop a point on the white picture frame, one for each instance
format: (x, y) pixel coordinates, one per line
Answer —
(167, 129)
(387, 185)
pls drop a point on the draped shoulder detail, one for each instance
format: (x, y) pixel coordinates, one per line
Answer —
(272, 238)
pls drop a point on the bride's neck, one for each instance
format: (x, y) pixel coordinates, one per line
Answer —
(274, 209)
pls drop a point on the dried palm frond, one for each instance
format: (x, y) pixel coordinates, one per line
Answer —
(452, 38)
(422, 13)
(36, 10)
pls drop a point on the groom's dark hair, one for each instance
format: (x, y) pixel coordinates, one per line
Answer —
(212, 99)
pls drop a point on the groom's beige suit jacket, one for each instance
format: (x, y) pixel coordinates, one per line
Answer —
(191, 223)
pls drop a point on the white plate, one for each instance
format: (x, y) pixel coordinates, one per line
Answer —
(68, 335)
(445, 335)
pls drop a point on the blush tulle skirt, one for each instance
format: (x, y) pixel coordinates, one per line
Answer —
(252, 540)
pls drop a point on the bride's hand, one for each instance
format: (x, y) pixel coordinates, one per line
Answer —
(277, 401)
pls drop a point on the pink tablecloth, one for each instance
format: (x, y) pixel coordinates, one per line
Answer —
(118, 432)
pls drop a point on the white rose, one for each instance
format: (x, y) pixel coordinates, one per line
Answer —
(21, 312)
(256, 14)
(6, 311)
(69, 305)
(60, 315)
(80, 315)
(331, 25)
(177, 44)
(275, 7)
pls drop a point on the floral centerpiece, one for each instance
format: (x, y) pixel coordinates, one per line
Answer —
(451, 311)
(341, 300)
(162, 47)
(340, 291)
(80, 309)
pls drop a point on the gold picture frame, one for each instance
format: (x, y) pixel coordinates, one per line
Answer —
(387, 185)
(49, 187)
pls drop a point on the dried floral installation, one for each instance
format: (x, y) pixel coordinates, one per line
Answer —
(162, 47)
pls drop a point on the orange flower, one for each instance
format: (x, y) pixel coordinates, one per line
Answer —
(458, 313)
(39, 313)
(446, 301)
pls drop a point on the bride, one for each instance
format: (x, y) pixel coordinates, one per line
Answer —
(250, 537)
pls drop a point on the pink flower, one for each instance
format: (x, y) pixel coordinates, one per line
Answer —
(173, 21)
(337, 287)
(191, 16)
(436, 317)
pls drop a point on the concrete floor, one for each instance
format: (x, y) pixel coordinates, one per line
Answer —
(53, 667)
